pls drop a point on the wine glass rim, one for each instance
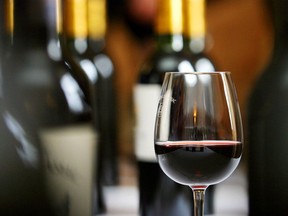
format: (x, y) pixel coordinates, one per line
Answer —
(200, 72)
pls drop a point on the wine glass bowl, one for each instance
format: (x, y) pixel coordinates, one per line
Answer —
(198, 128)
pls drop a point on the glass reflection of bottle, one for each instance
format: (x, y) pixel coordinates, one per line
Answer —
(40, 91)
(108, 169)
(159, 195)
(268, 123)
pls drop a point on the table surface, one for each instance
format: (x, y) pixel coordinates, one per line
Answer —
(230, 197)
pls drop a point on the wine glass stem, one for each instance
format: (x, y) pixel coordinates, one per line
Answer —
(199, 195)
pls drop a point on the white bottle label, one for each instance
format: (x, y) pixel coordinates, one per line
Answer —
(70, 161)
(146, 98)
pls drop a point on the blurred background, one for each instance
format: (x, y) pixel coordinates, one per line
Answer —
(239, 39)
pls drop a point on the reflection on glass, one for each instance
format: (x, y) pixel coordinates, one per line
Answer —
(205, 65)
(71, 91)
(89, 69)
(185, 66)
(26, 151)
(104, 65)
(53, 50)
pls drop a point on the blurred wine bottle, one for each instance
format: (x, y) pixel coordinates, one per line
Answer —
(39, 91)
(75, 46)
(268, 123)
(108, 153)
(84, 33)
(22, 174)
(180, 28)
(159, 195)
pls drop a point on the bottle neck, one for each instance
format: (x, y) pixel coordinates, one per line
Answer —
(26, 23)
(96, 24)
(194, 25)
(169, 25)
(280, 21)
(75, 26)
(32, 24)
(54, 23)
(170, 43)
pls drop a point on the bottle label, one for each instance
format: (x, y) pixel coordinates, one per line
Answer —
(146, 99)
(70, 168)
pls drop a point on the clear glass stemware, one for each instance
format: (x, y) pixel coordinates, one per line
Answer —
(198, 130)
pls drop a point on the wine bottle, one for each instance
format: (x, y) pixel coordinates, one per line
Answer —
(158, 194)
(40, 91)
(84, 33)
(267, 125)
(85, 74)
(22, 172)
(108, 147)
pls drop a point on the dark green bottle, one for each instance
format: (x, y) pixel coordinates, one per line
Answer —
(84, 40)
(158, 194)
(107, 100)
(78, 55)
(41, 94)
(21, 167)
(180, 36)
(268, 123)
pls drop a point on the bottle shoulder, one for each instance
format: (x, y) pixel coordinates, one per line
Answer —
(153, 69)
(42, 88)
(270, 89)
(273, 78)
(160, 62)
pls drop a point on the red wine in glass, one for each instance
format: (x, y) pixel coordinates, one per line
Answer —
(202, 162)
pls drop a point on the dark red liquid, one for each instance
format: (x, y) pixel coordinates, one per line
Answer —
(198, 162)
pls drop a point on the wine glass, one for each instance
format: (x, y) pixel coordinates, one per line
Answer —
(198, 130)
